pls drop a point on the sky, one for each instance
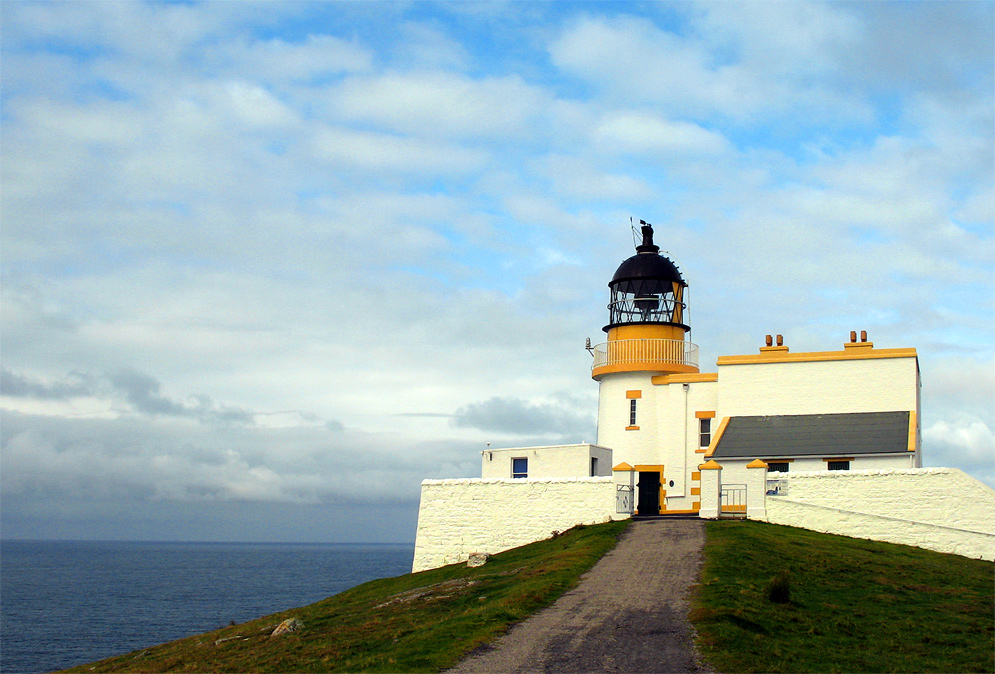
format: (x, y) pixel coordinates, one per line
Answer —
(265, 267)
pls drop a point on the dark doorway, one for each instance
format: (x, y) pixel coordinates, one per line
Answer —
(649, 493)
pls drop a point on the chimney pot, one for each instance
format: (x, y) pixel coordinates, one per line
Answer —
(780, 340)
(853, 336)
(863, 335)
(769, 340)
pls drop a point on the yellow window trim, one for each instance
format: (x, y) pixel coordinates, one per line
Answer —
(842, 458)
(701, 451)
(632, 428)
(696, 476)
(778, 460)
(705, 415)
(649, 467)
(630, 395)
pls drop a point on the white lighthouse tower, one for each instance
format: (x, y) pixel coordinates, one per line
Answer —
(648, 345)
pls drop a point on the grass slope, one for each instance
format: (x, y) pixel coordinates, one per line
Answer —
(421, 622)
(855, 605)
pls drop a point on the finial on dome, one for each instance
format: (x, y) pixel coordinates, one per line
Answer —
(647, 245)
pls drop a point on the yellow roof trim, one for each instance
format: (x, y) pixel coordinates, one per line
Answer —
(623, 467)
(717, 437)
(650, 467)
(690, 378)
(756, 463)
(814, 356)
(710, 465)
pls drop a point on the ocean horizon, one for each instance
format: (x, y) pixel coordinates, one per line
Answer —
(65, 603)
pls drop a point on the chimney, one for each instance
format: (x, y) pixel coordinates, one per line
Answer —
(862, 344)
(771, 341)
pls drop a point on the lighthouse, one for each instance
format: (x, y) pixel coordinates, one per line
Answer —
(648, 345)
(672, 440)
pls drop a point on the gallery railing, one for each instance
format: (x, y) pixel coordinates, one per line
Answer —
(633, 351)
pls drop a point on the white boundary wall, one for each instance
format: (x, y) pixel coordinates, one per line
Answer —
(462, 516)
(939, 509)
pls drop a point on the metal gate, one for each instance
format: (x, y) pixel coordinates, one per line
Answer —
(733, 503)
(623, 498)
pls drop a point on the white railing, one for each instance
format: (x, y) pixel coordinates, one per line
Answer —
(623, 351)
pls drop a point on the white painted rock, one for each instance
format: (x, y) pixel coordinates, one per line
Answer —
(477, 559)
(287, 626)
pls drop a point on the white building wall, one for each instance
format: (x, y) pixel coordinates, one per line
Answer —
(939, 509)
(634, 446)
(678, 433)
(819, 387)
(459, 517)
(551, 461)
(735, 469)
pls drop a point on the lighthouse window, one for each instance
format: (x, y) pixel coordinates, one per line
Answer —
(704, 432)
(632, 412)
(520, 468)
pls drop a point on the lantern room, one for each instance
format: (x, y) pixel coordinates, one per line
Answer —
(647, 288)
(647, 316)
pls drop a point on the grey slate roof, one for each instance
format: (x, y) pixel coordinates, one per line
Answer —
(854, 434)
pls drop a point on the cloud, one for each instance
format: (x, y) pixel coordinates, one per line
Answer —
(441, 104)
(18, 386)
(522, 417)
(278, 61)
(713, 71)
(347, 149)
(256, 255)
(643, 133)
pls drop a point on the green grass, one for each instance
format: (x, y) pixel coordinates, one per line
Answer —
(853, 605)
(421, 622)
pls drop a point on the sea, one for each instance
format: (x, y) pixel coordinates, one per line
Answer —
(67, 603)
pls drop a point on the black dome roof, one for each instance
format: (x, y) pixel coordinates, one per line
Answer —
(647, 270)
(646, 266)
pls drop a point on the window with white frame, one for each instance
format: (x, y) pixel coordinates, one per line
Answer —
(777, 466)
(632, 412)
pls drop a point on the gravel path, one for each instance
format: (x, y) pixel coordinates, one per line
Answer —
(628, 614)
